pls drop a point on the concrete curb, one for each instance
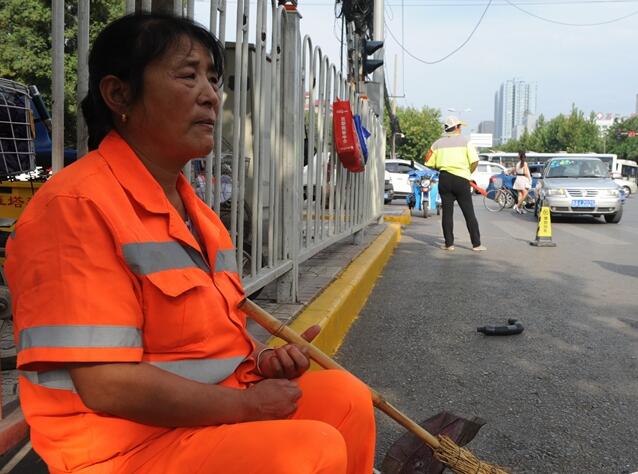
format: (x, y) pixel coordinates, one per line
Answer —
(13, 429)
(339, 304)
(403, 219)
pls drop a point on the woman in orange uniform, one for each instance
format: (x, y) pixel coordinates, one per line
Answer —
(133, 356)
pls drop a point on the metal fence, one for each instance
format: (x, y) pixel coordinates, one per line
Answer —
(273, 176)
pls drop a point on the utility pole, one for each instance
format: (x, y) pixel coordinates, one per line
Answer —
(378, 76)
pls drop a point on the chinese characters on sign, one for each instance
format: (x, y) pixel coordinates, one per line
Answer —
(14, 201)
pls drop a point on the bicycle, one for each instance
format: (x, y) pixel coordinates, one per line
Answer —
(496, 199)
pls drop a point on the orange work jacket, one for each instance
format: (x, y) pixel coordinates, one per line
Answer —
(103, 269)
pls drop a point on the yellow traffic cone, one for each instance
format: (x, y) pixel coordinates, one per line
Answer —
(544, 229)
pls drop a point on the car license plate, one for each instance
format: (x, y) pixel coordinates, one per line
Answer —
(583, 203)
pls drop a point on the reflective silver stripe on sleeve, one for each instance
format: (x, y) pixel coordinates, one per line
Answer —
(225, 261)
(150, 257)
(80, 336)
(201, 370)
(209, 371)
(57, 379)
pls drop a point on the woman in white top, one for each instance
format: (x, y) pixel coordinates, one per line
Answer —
(523, 182)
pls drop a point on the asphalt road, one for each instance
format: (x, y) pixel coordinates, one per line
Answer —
(562, 397)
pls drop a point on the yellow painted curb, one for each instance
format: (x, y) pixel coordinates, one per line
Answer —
(339, 304)
(404, 219)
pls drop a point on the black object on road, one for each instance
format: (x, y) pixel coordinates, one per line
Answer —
(513, 327)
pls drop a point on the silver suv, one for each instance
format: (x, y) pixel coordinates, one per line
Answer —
(577, 186)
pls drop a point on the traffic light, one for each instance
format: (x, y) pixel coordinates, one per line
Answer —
(368, 64)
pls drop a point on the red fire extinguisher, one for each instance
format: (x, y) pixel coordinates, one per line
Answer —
(346, 138)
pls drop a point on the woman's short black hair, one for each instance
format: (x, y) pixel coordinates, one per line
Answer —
(124, 48)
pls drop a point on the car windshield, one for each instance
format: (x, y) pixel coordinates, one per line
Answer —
(577, 169)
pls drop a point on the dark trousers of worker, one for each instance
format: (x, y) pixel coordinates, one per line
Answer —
(454, 188)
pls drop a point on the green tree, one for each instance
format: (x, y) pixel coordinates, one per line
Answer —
(620, 142)
(25, 51)
(573, 133)
(421, 128)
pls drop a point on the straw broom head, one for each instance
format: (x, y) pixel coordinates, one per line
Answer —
(462, 461)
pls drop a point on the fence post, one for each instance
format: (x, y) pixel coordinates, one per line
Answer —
(57, 85)
(83, 75)
(292, 138)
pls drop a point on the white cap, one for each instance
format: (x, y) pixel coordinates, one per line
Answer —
(452, 121)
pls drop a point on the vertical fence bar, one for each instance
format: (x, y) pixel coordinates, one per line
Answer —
(275, 120)
(83, 75)
(237, 128)
(147, 5)
(219, 125)
(57, 85)
(243, 94)
(130, 7)
(292, 139)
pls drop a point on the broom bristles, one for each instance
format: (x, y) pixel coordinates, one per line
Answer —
(461, 460)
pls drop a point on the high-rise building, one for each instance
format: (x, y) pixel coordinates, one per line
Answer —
(514, 109)
(486, 126)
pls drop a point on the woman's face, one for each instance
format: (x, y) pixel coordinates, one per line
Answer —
(174, 119)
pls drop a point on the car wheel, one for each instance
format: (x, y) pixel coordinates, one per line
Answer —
(614, 218)
(627, 190)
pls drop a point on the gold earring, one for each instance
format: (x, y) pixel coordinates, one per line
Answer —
(124, 118)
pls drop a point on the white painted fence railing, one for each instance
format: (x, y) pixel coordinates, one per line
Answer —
(273, 176)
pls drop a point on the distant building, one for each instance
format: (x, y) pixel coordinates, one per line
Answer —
(486, 126)
(514, 104)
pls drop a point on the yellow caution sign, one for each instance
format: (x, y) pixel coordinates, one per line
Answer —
(544, 229)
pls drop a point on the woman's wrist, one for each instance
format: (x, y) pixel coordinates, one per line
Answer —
(260, 358)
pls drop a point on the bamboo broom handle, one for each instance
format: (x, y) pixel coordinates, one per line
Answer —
(279, 329)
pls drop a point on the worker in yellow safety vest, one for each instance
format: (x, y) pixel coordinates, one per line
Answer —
(456, 158)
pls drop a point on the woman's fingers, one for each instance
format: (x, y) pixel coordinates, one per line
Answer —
(290, 361)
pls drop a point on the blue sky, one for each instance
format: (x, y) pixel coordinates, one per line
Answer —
(594, 67)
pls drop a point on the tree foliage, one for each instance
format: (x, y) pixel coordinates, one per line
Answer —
(420, 127)
(573, 133)
(25, 51)
(620, 141)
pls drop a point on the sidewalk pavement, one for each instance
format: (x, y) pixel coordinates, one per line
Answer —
(333, 287)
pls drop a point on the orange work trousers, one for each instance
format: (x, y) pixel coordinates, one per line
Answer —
(332, 432)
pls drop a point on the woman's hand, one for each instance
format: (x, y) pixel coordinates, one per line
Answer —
(289, 361)
(270, 399)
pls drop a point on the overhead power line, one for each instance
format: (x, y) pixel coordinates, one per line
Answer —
(549, 20)
(456, 50)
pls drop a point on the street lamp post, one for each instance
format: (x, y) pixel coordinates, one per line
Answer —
(460, 112)
(394, 151)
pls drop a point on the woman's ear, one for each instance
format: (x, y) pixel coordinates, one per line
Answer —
(115, 93)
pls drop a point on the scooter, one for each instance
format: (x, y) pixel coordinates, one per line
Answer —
(425, 192)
